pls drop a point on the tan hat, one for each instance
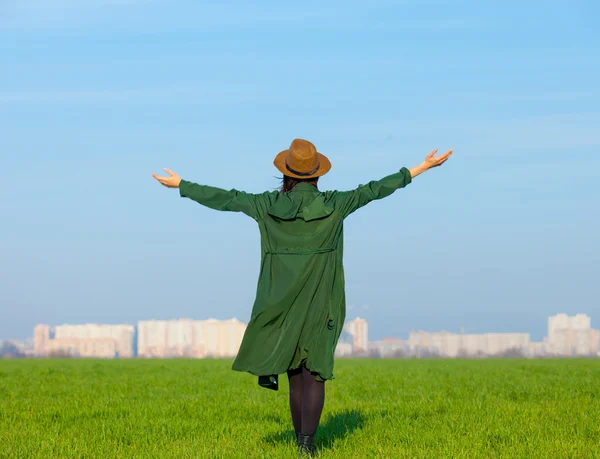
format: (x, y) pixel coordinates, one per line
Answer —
(302, 161)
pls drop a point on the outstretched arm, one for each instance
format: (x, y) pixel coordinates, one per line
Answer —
(348, 202)
(216, 198)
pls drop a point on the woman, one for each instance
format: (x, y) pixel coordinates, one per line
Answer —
(300, 308)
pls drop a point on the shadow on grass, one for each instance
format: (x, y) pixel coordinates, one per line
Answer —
(336, 427)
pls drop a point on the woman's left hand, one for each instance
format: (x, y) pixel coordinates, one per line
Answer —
(172, 181)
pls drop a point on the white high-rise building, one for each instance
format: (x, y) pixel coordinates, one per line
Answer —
(232, 332)
(572, 335)
(190, 338)
(152, 338)
(359, 329)
(122, 335)
(568, 342)
(563, 322)
(88, 340)
(41, 336)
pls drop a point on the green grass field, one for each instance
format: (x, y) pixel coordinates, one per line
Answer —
(374, 408)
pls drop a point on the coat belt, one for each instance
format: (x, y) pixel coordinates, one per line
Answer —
(299, 251)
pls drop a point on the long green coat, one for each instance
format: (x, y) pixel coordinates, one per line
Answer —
(300, 305)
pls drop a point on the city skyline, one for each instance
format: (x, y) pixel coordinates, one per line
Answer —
(363, 312)
(566, 336)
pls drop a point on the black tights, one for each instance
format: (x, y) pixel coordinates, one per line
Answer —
(307, 397)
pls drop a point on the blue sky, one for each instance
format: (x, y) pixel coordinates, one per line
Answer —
(94, 98)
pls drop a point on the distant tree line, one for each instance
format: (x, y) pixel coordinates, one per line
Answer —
(425, 353)
(10, 351)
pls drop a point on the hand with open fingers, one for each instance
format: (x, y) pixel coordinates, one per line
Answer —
(434, 161)
(172, 181)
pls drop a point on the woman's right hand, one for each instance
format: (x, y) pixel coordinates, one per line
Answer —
(432, 161)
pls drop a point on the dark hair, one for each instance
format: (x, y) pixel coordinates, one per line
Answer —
(288, 183)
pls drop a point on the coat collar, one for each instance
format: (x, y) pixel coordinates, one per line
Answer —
(304, 201)
(304, 187)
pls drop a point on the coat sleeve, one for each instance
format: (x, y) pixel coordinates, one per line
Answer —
(253, 205)
(346, 202)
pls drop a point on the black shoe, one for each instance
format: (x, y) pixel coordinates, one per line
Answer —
(305, 446)
(269, 382)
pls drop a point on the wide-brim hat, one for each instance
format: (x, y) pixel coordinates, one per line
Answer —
(302, 161)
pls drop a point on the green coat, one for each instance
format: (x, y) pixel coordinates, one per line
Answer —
(300, 305)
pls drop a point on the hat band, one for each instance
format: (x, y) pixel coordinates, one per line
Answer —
(302, 174)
